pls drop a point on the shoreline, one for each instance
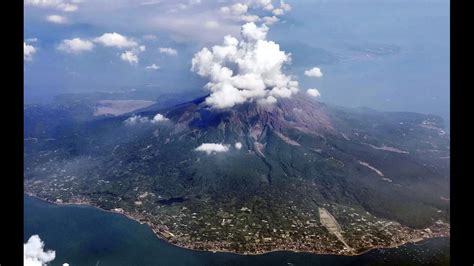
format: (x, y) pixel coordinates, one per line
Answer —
(159, 236)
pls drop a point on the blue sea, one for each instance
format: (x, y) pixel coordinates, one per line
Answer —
(83, 235)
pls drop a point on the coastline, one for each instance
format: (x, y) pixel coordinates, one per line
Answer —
(161, 237)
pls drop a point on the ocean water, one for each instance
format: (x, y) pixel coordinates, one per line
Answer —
(83, 235)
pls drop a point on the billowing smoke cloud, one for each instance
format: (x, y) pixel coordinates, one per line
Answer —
(212, 148)
(34, 254)
(245, 70)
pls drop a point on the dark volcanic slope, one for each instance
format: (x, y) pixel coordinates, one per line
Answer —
(381, 175)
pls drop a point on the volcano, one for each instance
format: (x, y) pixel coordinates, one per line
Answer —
(296, 175)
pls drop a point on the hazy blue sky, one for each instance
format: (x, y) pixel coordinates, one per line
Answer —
(388, 54)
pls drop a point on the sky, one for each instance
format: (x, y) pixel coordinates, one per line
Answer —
(388, 55)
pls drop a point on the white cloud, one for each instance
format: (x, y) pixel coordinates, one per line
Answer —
(32, 40)
(212, 148)
(313, 92)
(56, 19)
(153, 67)
(119, 41)
(136, 119)
(238, 145)
(265, 4)
(65, 264)
(270, 20)
(239, 8)
(278, 12)
(129, 56)
(238, 14)
(249, 18)
(115, 40)
(66, 7)
(75, 46)
(314, 72)
(285, 6)
(34, 254)
(251, 32)
(235, 9)
(240, 11)
(168, 51)
(159, 118)
(245, 70)
(56, 4)
(28, 51)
